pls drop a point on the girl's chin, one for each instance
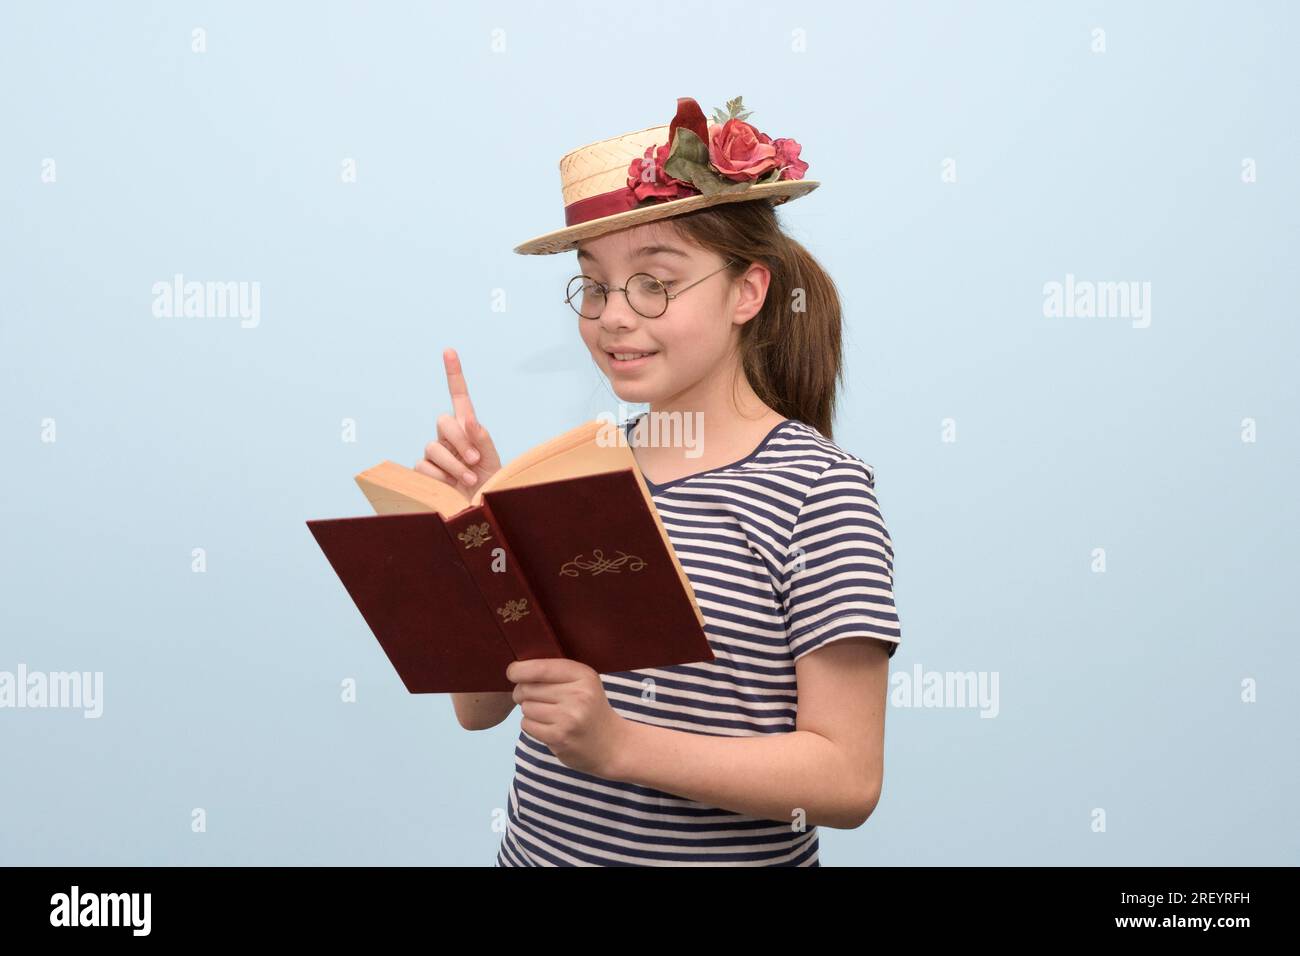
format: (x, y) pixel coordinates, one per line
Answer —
(635, 392)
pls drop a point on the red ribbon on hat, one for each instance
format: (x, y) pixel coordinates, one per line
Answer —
(599, 206)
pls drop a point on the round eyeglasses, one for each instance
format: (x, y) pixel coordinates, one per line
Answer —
(648, 296)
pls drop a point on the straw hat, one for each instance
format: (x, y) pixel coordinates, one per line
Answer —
(669, 170)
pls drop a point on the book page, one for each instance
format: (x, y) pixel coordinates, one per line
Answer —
(575, 453)
(394, 489)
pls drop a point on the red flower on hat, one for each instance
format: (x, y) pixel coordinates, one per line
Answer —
(787, 155)
(647, 179)
(723, 156)
(740, 152)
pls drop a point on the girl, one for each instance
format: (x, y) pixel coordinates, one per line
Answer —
(693, 300)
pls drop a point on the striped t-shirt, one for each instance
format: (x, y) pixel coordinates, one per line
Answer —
(786, 551)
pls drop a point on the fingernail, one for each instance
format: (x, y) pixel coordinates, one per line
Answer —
(472, 455)
(470, 478)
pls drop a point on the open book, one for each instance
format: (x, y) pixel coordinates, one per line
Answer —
(561, 553)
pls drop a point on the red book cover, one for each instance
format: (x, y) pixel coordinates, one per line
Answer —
(571, 568)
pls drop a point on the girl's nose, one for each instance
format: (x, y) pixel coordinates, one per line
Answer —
(617, 313)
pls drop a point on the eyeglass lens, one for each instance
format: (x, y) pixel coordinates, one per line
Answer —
(645, 294)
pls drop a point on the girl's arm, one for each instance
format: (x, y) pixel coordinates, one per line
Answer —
(830, 767)
(481, 711)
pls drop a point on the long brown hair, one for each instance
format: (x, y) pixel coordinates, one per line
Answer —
(791, 351)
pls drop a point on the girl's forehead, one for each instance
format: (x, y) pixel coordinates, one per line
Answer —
(638, 242)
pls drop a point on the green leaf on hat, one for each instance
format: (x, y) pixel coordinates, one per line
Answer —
(687, 150)
(735, 110)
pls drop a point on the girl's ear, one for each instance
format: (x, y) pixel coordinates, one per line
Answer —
(753, 284)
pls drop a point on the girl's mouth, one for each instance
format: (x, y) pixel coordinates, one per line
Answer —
(625, 361)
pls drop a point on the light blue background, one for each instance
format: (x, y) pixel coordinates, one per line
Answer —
(1118, 691)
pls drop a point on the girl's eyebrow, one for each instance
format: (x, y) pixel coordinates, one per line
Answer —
(641, 253)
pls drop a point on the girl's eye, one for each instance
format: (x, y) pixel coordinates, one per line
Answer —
(650, 285)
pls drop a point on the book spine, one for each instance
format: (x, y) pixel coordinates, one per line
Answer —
(483, 548)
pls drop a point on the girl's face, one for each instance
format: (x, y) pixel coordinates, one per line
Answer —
(697, 334)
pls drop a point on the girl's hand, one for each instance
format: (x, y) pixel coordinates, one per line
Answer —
(565, 707)
(463, 454)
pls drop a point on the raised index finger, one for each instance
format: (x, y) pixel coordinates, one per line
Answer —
(460, 403)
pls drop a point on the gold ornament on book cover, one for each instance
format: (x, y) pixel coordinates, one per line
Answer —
(599, 564)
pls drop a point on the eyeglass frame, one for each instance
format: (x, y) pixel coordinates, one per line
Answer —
(668, 296)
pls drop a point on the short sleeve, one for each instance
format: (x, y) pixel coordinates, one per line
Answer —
(839, 570)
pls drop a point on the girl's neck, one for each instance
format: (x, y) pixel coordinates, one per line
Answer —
(684, 439)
